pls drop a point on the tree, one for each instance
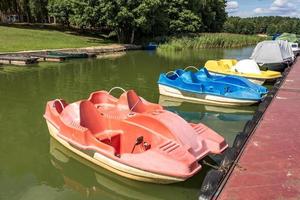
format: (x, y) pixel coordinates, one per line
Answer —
(126, 17)
(61, 10)
(38, 10)
(272, 29)
(213, 14)
(181, 17)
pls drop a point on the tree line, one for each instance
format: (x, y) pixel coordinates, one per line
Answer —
(262, 25)
(127, 19)
(28, 10)
(131, 19)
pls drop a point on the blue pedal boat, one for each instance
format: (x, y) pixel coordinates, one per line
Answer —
(204, 75)
(151, 46)
(204, 88)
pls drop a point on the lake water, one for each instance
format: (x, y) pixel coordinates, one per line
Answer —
(33, 166)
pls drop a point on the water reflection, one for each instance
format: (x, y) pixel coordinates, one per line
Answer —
(207, 54)
(226, 121)
(93, 181)
(26, 171)
(111, 56)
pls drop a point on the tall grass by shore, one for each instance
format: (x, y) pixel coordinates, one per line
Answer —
(210, 40)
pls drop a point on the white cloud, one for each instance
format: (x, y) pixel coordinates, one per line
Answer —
(279, 3)
(280, 7)
(260, 11)
(232, 6)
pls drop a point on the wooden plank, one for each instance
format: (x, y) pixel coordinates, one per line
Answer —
(17, 60)
(269, 165)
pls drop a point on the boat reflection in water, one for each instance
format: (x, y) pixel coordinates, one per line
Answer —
(94, 182)
(227, 121)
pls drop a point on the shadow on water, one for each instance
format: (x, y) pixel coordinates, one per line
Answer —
(26, 171)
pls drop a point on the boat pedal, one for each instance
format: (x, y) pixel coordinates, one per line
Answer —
(139, 140)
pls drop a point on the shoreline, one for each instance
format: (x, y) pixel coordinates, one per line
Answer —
(93, 49)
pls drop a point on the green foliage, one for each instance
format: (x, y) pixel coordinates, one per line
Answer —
(182, 17)
(130, 18)
(210, 40)
(38, 10)
(258, 25)
(127, 17)
(213, 14)
(31, 10)
(61, 10)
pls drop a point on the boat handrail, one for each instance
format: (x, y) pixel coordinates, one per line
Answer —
(173, 73)
(114, 88)
(191, 67)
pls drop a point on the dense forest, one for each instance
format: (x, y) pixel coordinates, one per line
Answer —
(262, 25)
(29, 10)
(128, 19)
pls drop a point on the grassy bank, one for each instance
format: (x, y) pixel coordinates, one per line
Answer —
(210, 40)
(22, 39)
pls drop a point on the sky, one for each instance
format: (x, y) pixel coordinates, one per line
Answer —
(252, 8)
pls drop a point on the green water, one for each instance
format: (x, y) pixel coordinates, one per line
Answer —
(34, 167)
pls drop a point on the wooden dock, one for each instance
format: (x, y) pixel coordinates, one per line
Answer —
(43, 57)
(30, 57)
(17, 60)
(269, 166)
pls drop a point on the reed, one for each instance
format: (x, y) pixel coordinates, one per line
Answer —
(210, 40)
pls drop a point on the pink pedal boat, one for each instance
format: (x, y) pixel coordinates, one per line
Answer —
(132, 137)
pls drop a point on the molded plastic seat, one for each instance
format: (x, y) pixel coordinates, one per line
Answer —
(135, 103)
(91, 118)
(203, 73)
(59, 105)
(101, 97)
(189, 77)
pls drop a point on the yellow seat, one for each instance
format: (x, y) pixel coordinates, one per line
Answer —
(229, 62)
(226, 67)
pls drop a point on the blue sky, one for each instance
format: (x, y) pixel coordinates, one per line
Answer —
(250, 8)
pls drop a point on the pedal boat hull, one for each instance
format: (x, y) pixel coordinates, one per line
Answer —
(175, 145)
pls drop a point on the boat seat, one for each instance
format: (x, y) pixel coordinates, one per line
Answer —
(229, 62)
(224, 66)
(212, 64)
(108, 134)
(100, 98)
(135, 103)
(203, 73)
(179, 72)
(90, 117)
(189, 77)
(59, 105)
